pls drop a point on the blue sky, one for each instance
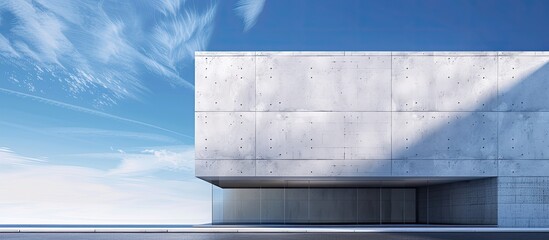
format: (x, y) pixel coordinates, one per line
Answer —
(97, 97)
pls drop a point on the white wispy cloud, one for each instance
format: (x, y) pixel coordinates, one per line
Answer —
(150, 160)
(95, 132)
(87, 110)
(179, 33)
(68, 10)
(43, 31)
(168, 7)
(96, 49)
(146, 160)
(48, 193)
(6, 48)
(249, 11)
(8, 157)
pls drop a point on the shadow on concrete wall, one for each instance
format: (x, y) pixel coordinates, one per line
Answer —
(468, 131)
(521, 132)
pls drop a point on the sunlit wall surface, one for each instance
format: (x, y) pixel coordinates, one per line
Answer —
(468, 132)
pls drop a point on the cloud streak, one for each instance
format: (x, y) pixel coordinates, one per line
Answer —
(6, 48)
(94, 132)
(8, 157)
(42, 31)
(178, 34)
(96, 49)
(249, 11)
(88, 111)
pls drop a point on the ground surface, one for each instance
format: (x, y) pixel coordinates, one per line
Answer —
(284, 236)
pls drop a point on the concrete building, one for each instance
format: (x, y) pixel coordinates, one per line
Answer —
(375, 137)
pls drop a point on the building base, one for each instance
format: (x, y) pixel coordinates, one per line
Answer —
(469, 202)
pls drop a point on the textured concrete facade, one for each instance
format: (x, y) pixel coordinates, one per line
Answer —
(471, 202)
(274, 118)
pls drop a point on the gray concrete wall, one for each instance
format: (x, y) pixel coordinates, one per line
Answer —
(523, 201)
(467, 202)
(267, 115)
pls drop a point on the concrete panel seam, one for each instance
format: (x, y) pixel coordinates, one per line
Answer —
(498, 115)
(255, 115)
(391, 128)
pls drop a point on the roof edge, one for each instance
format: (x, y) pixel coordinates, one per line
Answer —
(370, 53)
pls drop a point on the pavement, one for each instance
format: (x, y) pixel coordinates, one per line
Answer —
(270, 229)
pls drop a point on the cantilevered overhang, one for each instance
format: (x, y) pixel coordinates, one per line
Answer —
(331, 182)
